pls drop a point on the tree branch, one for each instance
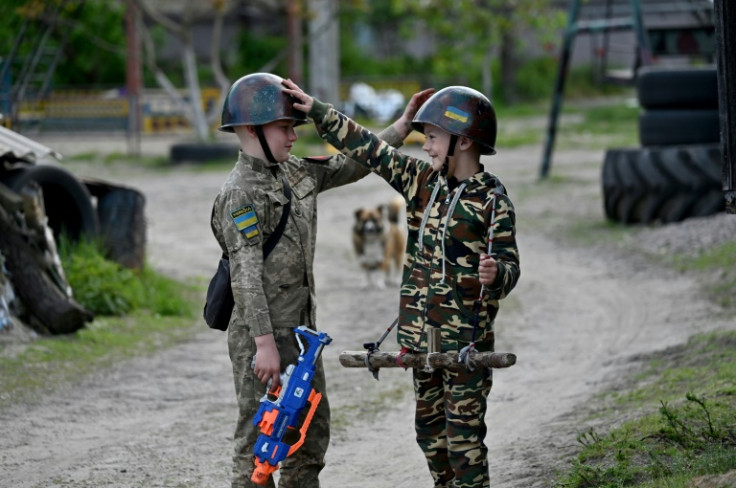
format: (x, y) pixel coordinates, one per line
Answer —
(159, 18)
(221, 8)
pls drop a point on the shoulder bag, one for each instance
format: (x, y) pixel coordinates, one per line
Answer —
(219, 304)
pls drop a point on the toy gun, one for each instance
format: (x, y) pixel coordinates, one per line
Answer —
(281, 407)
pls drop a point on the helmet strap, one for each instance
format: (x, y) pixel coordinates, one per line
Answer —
(264, 144)
(450, 154)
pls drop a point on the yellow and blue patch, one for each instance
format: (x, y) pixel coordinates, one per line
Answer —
(455, 113)
(246, 220)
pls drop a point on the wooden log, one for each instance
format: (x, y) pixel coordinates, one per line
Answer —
(48, 307)
(446, 360)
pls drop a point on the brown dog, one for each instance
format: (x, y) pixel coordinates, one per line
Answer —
(379, 242)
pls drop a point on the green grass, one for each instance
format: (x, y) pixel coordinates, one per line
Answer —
(676, 420)
(118, 158)
(683, 404)
(686, 427)
(679, 410)
(135, 313)
(609, 123)
(601, 127)
(106, 288)
(718, 265)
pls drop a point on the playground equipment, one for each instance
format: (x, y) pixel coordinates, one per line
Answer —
(678, 172)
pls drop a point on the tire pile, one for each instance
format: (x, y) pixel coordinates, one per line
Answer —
(677, 172)
(85, 208)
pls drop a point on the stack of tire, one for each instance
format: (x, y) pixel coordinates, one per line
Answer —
(677, 172)
(87, 209)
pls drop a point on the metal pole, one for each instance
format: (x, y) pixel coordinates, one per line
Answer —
(725, 15)
(642, 41)
(558, 96)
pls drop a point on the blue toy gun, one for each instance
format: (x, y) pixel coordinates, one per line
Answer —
(282, 406)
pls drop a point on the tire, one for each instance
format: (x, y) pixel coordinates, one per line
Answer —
(677, 88)
(67, 202)
(202, 152)
(120, 211)
(678, 127)
(667, 184)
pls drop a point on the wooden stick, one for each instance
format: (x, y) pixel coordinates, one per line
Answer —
(447, 360)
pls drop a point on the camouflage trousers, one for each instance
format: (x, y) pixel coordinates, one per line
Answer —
(450, 425)
(301, 469)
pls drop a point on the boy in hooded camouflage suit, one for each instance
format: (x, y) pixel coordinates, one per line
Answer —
(275, 294)
(455, 210)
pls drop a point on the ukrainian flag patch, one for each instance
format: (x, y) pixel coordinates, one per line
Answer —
(246, 220)
(455, 113)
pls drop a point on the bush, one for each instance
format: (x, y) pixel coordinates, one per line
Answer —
(106, 288)
(535, 79)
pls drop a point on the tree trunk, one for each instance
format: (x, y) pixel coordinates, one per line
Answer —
(198, 119)
(508, 66)
(324, 50)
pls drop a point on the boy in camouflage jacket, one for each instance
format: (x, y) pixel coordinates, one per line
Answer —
(454, 210)
(276, 293)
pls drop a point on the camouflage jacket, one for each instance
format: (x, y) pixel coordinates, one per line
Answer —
(447, 231)
(277, 292)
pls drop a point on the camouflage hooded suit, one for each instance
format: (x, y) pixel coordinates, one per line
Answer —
(448, 228)
(276, 294)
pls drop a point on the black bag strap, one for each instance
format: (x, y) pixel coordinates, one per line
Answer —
(274, 238)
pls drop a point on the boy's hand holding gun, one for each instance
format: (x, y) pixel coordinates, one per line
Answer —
(281, 408)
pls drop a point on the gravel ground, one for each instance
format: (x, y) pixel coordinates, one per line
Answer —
(691, 237)
(578, 317)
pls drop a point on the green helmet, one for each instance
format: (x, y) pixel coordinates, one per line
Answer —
(461, 111)
(258, 99)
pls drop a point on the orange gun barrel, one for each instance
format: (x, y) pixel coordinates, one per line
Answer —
(264, 469)
(262, 472)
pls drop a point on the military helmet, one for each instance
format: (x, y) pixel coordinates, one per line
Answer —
(258, 99)
(461, 111)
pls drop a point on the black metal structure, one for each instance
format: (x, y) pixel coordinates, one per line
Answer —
(725, 15)
(692, 37)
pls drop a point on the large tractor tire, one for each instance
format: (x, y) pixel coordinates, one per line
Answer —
(678, 127)
(677, 88)
(67, 202)
(194, 152)
(120, 211)
(662, 184)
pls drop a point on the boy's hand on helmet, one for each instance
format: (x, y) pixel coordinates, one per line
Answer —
(417, 100)
(303, 102)
(403, 124)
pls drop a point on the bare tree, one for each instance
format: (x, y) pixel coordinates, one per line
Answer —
(324, 55)
(190, 13)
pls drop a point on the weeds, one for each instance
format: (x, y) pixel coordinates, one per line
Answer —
(682, 439)
(717, 263)
(106, 288)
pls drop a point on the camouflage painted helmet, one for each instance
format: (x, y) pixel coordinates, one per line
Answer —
(461, 111)
(258, 99)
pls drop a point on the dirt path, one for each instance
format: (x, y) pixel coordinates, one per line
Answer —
(574, 320)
